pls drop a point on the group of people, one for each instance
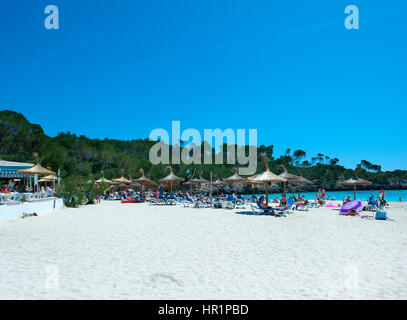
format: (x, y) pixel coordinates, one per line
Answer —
(11, 186)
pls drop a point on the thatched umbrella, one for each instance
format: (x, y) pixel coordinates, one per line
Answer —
(253, 183)
(235, 179)
(171, 179)
(122, 180)
(36, 170)
(302, 181)
(355, 181)
(198, 181)
(217, 183)
(143, 180)
(288, 176)
(103, 179)
(46, 179)
(267, 176)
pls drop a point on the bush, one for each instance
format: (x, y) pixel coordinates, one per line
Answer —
(71, 191)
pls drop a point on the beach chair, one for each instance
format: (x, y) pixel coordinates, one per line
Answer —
(301, 207)
(372, 205)
(160, 200)
(188, 202)
(290, 203)
(171, 199)
(259, 210)
(230, 202)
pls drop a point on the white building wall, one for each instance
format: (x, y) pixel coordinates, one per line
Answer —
(16, 210)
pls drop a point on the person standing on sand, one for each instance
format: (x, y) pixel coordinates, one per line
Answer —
(382, 192)
(323, 194)
(318, 195)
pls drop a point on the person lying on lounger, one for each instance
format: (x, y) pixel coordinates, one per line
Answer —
(262, 204)
(301, 203)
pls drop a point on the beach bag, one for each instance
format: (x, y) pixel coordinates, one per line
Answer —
(381, 215)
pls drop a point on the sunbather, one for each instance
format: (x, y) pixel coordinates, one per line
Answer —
(301, 203)
(262, 204)
(283, 203)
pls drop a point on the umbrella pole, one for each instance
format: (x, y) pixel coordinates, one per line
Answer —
(211, 188)
(354, 192)
(267, 193)
(284, 186)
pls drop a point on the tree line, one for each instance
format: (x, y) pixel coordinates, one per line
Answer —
(81, 156)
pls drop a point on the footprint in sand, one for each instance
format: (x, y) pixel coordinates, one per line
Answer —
(165, 281)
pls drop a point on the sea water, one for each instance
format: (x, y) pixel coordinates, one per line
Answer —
(391, 195)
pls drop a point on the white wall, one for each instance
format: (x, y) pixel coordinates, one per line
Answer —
(42, 206)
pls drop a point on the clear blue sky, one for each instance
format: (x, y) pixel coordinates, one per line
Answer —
(289, 69)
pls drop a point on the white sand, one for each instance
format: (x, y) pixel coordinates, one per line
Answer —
(139, 251)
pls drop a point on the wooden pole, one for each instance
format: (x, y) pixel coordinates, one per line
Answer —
(267, 193)
(211, 188)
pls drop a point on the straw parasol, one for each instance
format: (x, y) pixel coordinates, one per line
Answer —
(217, 183)
(286, 175)
(143, 180)
(302, 181)
(103, 179)
(199, 181)
(235, 179)
(267, 176)
(171, 179)
(36, 169)
(355, 181)
(122, 180)
(253, 183)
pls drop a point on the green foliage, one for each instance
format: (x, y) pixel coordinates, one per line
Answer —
(72, 192)
(79, 156)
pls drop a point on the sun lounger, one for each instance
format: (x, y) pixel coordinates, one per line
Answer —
(301, 207)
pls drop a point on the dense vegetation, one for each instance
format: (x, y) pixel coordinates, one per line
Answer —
(81, 156)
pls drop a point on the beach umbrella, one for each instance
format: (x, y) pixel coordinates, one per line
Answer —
(267, 176)
(122, 180)
(103, 179)
(198, 181)
(355, 181)
(302, 181)
(36, 170)
(171, 179)
(49, 178)
(235, 179)
(288, 176)
(253, 183)
(143, 180)
(217, 183)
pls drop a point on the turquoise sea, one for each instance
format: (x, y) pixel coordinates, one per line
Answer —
(391, 195)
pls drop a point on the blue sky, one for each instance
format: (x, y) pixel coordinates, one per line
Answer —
(289, 69)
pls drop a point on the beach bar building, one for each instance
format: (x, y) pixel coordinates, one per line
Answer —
(9, 169)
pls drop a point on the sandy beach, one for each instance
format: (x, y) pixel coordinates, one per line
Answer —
(142, 251)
